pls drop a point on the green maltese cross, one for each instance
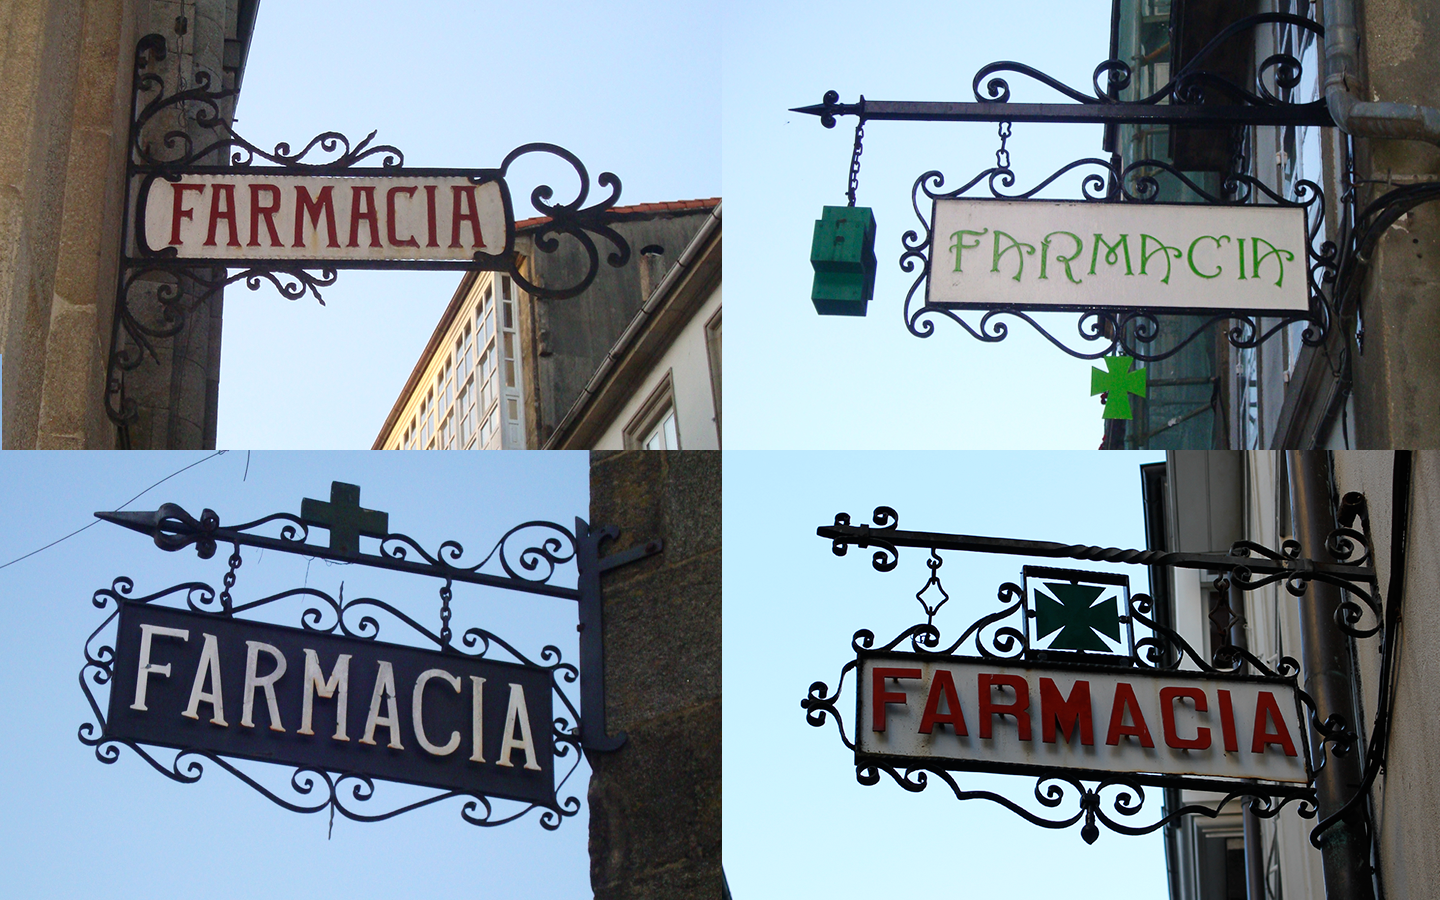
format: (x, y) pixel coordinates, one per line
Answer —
(1076, 618)
(1119, 382)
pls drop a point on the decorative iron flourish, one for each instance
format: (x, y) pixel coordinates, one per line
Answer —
(1090, 795)
(528, 555)
(1192, 96)
(313, 790)
(154, 302)
(1357, 576)
(570, 218)
(1192, 85)
(1105, 332)
(1053, 791)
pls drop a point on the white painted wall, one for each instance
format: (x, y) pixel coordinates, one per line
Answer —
(688, 362)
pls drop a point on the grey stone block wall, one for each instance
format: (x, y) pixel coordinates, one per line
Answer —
(655, 803)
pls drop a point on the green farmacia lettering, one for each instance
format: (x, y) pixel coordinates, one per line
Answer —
(1060, 257)
(1190, 256)
(1112, 252)
(961, 245)
(1163, 249)
(1020, 250)
(1281, 257)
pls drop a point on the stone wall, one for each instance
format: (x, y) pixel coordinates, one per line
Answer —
(655, 802)
(64, 121)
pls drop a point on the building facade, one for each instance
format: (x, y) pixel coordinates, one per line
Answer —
(1206, 502)
(633, 361)
(1368, 384)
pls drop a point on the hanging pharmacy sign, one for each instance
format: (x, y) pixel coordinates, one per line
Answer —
(206, 208)
(1072, 255)
(1075, 682)
(1239, 247)
(203, 673)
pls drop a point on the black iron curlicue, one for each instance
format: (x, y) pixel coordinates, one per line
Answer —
(527, 567)
(157, 292)
(1194, 96)
(1003, 635)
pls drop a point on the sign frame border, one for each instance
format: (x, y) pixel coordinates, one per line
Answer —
(1294, 790)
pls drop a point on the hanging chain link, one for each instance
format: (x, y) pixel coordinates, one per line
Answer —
(934, 562)
(1002, 156)
(445, 595)
(234, 562)
(855, 161)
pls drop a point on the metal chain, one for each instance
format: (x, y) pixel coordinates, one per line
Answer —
(445, 614)
(934, 562)
(1002, 156)
(1239, 154)
(234, 562)
(855, 161)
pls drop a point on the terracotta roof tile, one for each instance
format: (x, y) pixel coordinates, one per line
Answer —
(636, 209)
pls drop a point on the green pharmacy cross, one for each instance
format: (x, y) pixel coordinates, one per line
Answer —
(344, 518)
(1074, 613)
(843, 256)
(1118, 383)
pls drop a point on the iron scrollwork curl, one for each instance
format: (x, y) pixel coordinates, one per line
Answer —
(885, 519)
(535, 562)
(573, 219)
(1190, 85)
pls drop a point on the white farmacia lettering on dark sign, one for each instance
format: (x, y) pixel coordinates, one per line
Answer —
(382, 720)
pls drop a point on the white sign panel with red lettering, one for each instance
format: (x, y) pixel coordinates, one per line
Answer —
(1012, 716)
(351, 218)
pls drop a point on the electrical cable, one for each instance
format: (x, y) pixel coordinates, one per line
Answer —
(121, 506)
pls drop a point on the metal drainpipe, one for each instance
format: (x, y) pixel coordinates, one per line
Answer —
(1328, 664)
(1364, 118)
(622, 344)
(1254, 838)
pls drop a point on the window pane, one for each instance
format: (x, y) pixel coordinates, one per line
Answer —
(672, 441)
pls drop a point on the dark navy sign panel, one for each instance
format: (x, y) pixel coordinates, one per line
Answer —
(204, 682)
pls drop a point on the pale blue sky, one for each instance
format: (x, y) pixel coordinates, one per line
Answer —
(74, 826)
(631, 88)
(798, 380)
(796, 822)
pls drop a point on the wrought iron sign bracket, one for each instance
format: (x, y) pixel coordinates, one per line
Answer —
(187, 133)
(527, 568)
(1348, 563)
(1194, 96)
